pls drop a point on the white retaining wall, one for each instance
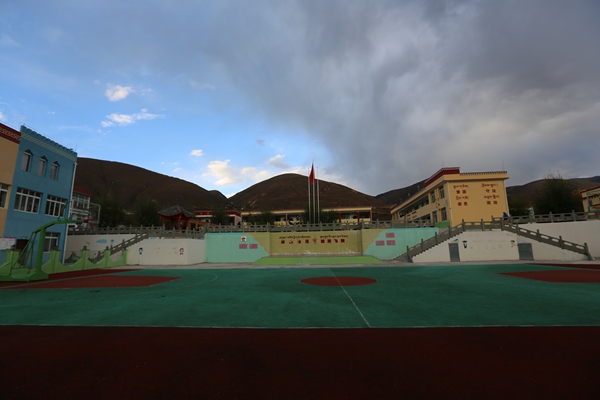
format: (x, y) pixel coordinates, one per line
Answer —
(475, 246)
(577, 232)
(152, 251)
(155, 251)
(495, 246)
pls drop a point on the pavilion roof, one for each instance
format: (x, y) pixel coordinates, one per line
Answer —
(175, 211)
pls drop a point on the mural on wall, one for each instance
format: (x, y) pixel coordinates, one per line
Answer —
(391, 243)
(315, 243)
(234, 247)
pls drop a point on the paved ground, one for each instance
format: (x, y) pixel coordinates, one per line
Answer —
(245, 331)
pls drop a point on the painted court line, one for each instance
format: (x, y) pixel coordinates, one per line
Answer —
(352, 300)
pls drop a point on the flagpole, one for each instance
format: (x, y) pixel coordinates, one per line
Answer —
(308, 182)
(318, 196)
(313, 196)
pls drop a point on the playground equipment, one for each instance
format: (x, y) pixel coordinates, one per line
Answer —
(20, 266)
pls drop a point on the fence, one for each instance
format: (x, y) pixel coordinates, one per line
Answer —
(550, 218)
(154, 231)
(199, 233)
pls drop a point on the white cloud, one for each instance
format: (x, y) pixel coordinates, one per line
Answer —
(117, 92)
(177, 169)
(128, 119)
(278, 162)
(197, 153)
(201, 85)
(7, 41)
(222, 173)
(2, 116)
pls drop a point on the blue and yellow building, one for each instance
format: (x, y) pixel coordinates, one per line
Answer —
(39, 190)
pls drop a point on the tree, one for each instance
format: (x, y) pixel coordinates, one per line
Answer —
(111, 211)
(220, 217)
(557, 195)
(326, 217)
(145, 213)
(518, 205)
(329, 217)
(265, 217)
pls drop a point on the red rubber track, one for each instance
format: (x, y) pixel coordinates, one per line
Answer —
(187, 363)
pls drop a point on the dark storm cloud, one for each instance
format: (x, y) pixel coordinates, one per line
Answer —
(394, 89)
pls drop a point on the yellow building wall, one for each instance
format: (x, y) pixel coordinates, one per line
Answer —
(467, 196)
(325, 242)
(591, 200)
(8, 158)
(476, 200)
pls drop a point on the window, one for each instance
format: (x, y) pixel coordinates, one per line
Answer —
(26, 160)
(55, 206)
(3, 194)
(27, 200)
(81, 201)
(42, 166)
(54, 171)
(444, 214)
(434, 214)
(51, 241)
(433, 196)
(442, 195)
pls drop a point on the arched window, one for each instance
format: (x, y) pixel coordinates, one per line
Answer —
(42, 166)
(26, 160)
(54, 171)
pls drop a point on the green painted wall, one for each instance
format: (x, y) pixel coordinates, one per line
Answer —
(384, 244)
(390, 243)
(236, 247)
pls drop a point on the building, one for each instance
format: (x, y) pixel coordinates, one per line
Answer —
(9, 149)
(41, 188)
(591, 200)
(344, 215)
(449, 197)
(205, 216)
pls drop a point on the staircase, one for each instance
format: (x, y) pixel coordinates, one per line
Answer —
(494, 225)
(129, 242)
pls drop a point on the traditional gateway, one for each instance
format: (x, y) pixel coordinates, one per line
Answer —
(449, 197)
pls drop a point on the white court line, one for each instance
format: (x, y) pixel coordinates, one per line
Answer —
(352, 300)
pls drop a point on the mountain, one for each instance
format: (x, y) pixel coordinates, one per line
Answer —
(530, 188)
(398, 196)
(130, 184)
(290, 191)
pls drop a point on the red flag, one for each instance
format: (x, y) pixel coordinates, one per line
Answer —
(311, 177)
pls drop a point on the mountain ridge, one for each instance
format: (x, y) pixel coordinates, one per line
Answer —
(131, 184)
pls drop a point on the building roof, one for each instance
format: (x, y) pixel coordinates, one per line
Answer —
(175, 211)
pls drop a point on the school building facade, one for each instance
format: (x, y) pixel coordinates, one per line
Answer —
(591, 200)
(450, 196)
(37, 180)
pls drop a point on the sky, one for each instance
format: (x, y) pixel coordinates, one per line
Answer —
(377, 94)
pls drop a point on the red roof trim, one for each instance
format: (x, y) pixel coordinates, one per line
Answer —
(9, 133)
(83, 191)
(442, 172)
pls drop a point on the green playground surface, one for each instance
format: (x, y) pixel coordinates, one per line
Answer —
(255, 297)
